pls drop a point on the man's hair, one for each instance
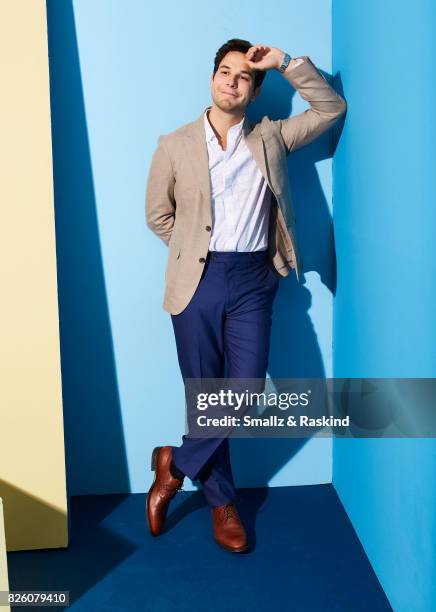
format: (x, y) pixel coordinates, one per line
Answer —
(237, 44)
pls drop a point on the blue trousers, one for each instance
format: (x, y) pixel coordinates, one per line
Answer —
(226, 325)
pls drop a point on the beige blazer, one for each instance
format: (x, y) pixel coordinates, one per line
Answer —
(178, 199)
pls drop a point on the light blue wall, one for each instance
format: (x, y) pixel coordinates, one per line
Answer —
(384, 323)
(122, 73)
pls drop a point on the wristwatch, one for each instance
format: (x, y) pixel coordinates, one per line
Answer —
(285, 62)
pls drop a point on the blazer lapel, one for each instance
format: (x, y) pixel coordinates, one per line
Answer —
(198, 150)
(254, 141)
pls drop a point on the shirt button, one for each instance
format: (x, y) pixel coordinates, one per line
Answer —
(208, 227)
(202, 260)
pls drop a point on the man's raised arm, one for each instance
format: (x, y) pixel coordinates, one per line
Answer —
(326, 105)
(159, 200)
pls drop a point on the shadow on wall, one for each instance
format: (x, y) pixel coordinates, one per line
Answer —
(30, 521)
(294, 351)
(94, 440)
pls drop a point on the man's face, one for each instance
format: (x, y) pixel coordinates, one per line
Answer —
(232, 87)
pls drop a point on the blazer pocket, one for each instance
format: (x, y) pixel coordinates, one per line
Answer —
(175, 243)
(172, 266)
(175, 249)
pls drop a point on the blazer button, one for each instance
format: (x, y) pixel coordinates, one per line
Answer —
(208, 227)
(202, 260)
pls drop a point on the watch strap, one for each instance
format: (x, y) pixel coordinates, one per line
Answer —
(285, 62)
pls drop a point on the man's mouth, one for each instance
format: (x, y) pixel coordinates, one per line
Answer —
(227, 93)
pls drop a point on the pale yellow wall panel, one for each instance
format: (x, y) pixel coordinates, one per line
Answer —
(32, 462)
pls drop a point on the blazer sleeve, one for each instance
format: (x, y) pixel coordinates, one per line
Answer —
(326, 106)
(160, 205)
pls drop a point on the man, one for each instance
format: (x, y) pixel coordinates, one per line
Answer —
(218, 196)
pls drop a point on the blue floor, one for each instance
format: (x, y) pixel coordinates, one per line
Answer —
(305, 556)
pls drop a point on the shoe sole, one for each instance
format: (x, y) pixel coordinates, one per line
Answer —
(241, 549)
(154, 457)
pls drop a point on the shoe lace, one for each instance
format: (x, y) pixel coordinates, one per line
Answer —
(230, 512)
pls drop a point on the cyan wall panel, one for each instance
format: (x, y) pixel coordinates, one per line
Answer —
(384, 324)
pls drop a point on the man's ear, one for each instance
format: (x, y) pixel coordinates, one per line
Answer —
(256, 92)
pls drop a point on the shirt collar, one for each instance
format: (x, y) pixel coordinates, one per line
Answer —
(234, 131)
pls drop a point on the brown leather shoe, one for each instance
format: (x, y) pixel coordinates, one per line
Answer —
(228, 530)
(162, 490)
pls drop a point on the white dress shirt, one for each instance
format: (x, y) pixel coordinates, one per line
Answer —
(241, 198)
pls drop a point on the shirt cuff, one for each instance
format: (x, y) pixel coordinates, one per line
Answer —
(299, 61)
